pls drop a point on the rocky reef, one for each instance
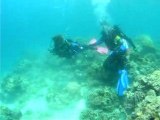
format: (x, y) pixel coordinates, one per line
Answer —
(12, 86)
(59, 83)
(141, 101)
(103, 104)
(148, 108)
(103, 99)
(144, 89)
(8, 114)
(151, 81)
(146, 43)
(90, 114)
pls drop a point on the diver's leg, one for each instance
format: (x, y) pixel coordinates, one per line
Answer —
(122, 84)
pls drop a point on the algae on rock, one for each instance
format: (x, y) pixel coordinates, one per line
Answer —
(8, 114)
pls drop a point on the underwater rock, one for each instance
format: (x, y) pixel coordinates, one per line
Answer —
(145, 87)
(91, 114)
(143, 61)
(102, 98)
(95, 73)
(142, 65)
(8, 114)
(146, 43)
(148, 108)
(12, 86)
(142, 100)
(152, 81)
(102, 102)
(132, 99)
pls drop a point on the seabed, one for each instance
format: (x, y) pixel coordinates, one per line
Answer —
(53, 88)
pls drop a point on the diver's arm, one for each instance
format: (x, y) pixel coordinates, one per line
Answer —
(129, 40)
(100, 41)
(97, 42)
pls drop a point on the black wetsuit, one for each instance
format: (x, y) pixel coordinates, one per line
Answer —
(68, 49)
(108, 38)
(117, 59)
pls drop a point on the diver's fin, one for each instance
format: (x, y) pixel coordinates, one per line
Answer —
(122, 82)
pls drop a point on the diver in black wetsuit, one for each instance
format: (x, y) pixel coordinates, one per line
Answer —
(117, 44)
(65, 47)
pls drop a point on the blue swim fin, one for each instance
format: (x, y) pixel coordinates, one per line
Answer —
(122, 82)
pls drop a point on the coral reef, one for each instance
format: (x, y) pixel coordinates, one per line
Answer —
(147, 44)
(149, 108)
(140, 64)
(8, 114)
(64, 82)
(151, 81)
(132, 99)
(91, 114)
(12, 86)
(144, 72)
(144, 95)
(102, 98)
(145, 59)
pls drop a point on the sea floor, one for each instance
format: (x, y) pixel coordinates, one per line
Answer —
(48, 87)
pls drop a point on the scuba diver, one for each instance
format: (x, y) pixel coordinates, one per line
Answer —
(117, 45)
(65, 47)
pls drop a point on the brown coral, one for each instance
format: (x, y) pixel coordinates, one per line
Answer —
(102, 98)
(148, 108)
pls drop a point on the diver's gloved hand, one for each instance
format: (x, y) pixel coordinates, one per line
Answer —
(102, 50)
(122, 84)
(92, 41)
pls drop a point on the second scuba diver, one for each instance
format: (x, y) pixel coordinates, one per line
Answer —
(65, 47)
(117, 44)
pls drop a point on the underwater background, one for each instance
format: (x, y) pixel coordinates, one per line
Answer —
(36, 85)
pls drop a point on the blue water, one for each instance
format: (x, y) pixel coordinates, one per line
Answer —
(28, 25)
(46, 87)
